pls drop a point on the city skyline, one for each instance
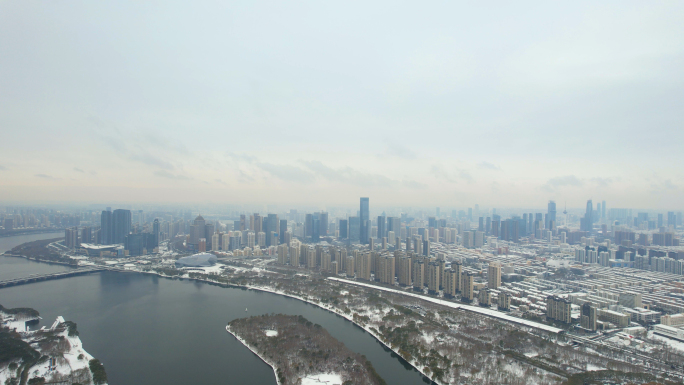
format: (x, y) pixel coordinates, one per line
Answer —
(445, 105)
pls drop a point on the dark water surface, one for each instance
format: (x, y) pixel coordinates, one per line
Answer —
(150, 330)
(14, 267)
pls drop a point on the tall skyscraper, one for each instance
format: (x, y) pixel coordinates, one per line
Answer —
(283, 229)
(323, 224)
(364, 216)
(382, 227)
(603, 209)
(156, 230)
(344, 227)
(551, 215)
(106, 228)
(121, 225)
(587, 223)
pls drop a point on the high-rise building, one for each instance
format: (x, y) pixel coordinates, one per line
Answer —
(354, 229)
(344, 229)
(71, 237)
(86, 235)
(382, 226)
(106, 228)
(551, 215)
(494, 275)
(323, 224)
(121, 224)
(283, 230)
(467, 286)
(587, 222)
(156, 232)
(603, 210)
(364, 217)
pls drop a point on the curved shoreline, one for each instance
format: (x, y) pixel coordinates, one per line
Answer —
(255, 352)
(331, 310)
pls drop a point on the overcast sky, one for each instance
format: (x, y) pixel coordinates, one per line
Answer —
(448, 104)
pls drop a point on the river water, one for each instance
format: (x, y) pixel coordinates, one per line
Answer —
(151, 330)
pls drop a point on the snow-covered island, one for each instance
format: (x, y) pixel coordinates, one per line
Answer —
(46, 355)
(301, 352)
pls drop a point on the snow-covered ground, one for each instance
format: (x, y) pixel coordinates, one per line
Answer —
(74, 358)
(679, 345)
(474, 309)
(322, 379)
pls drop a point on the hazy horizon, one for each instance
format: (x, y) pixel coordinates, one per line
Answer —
(424, 105)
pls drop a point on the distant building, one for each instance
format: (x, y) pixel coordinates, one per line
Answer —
(559, 309)
(494, 275)
(504, 301)
(197, 260)
(484, 297)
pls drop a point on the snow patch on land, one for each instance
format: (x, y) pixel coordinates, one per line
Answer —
(322, 379)
(271, 333)
(679, 345)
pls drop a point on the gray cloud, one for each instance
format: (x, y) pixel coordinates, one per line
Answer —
(287, 173)
(2, 168)
(78, 169)
(400, 151)
(44, 176)
(562, 181)
(488, 166)
(151, 160)
(348, 175)
(465, 175)
(602, 182)
(166, 174)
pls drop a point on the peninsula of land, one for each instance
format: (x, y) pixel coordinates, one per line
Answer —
(301, 352)
(44, 356)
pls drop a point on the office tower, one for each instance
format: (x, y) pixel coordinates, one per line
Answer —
(344, 229)
(308, 225)
(354, 229)
(382, 227)
(588, 316)
(364, 216)
(494, 275)
(661, 222)
(202, 245)
(587, 223)
(156, 232)
(496, 229)
(488, 225)
(671, 219)
(208, 232)
(551, 215)
(323, 224)
(270, 228)
(480, 226)
(470, 213)
(121, 224)
(282, 230)
(603, 209)
(106, 228)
